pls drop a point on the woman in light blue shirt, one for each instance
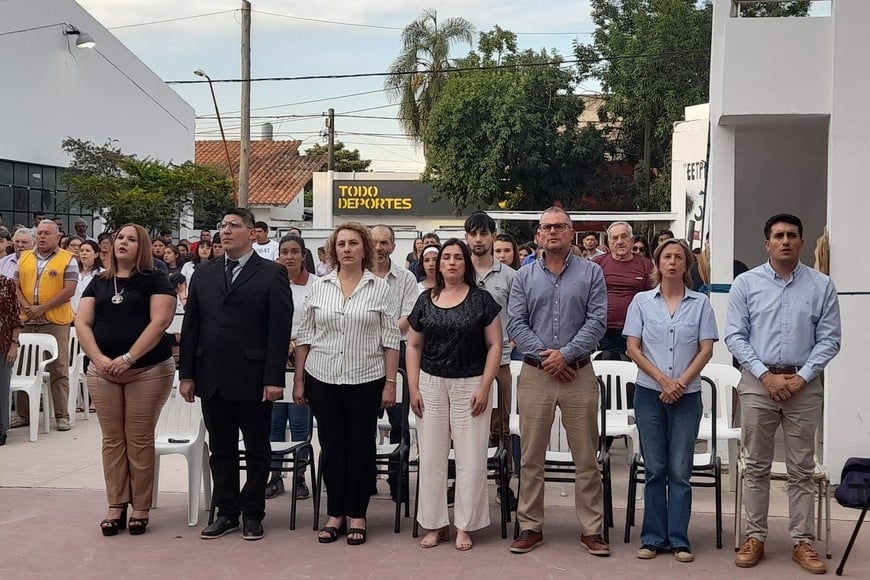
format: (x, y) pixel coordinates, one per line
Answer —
(670, 331)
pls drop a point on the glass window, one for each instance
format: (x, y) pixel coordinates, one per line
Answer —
(35, 201)
(62, 202)
(35, 176)
(5, 172)
(22, 218)
(47, 201)
(6, 198)
(48, 177)
(61, 186)
(20, 201)
(21, 177)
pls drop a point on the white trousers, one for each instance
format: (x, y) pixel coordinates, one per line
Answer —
(446, 416)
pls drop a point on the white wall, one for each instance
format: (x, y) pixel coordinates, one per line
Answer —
(53, 90)
(688, 172)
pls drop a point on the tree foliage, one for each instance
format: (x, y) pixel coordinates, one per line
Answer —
(510, 136)
(419, 72)
(124, 189)
(766, 9)
(345, 159)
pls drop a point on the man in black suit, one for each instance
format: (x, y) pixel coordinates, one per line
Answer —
(234, 344)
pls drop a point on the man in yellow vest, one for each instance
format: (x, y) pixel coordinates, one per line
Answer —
(47, 278)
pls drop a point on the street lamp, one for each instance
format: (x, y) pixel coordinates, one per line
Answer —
(200, 73)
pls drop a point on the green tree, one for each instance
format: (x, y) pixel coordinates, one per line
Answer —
(419, 72)
(766, 9)
(345, 159)
(125, 189)
(511, 137)
(652, 58)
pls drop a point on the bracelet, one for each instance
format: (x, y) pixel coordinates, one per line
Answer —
(128, 358)
(390, 380)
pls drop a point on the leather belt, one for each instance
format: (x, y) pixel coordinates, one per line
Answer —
(576, 365)
(783, 370)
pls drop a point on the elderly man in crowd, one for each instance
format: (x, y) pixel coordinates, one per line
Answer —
(22, 240)
(47, 278)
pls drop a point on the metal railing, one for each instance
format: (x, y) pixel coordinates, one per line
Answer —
(816, 7)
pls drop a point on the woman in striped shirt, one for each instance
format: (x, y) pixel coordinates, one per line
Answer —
(347, 357)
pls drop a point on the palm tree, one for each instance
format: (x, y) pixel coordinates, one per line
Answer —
(419, 72)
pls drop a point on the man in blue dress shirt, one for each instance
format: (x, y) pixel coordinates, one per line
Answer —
(557, 313)
(784, 328)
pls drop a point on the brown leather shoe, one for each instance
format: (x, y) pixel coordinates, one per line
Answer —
(528, 541)
(595, 545)
(750, 554)
(805, 555)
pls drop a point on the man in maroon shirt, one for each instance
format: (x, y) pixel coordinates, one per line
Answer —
(626, 274)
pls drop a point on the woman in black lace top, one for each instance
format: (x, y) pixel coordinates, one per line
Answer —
(454, 349)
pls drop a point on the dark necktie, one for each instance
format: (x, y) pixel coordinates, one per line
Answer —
(231, 265)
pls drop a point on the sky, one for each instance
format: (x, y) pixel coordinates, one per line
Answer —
(364, 38)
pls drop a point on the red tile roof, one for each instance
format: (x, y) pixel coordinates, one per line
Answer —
(278, 173)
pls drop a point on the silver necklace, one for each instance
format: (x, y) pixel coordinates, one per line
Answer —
(119, 296)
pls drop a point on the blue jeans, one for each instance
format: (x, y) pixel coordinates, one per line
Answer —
(667, 439)
(299, 417)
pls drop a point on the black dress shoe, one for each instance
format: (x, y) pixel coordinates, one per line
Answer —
(252, 530)
(221, 527)
(3, 439)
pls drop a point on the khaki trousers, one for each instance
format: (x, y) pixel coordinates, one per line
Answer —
(446, 416)
(538, 395)
(128, 407)
(58, 371)
(799, 417)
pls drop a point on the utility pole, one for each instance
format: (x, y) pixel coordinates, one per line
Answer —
(330, 142)
(245, 149)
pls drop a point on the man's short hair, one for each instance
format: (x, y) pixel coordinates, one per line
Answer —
(431, 236)
(385, 227)
(587, 234)
(783, 218)
(620, 223)
(557, 209)
(25, 231)
(246, 215)
(295, 231)
(80, 221)
(668, 233)
(479, 222)
(103, 236)
(261, 226)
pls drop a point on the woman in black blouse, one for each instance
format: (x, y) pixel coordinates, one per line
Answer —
(454, 350)
(121, 321)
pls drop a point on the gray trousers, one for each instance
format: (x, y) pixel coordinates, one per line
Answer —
(800, 417)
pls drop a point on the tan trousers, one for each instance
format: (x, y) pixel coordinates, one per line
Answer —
(504, 374)
(58, 371)
(128, 407)
(446, 416)
(538, 395)
(799, 417)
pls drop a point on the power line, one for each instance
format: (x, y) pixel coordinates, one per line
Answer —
(169, 20)
(456, 69)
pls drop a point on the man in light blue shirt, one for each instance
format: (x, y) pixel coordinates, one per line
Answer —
(784, 328)
(557, 312)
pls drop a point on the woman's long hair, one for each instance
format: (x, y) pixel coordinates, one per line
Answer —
(98, 263)
(468, 278)
(510, 239)
(144, 258)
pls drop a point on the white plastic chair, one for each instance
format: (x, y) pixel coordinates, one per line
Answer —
(615, 376)
(181, 429)
(175, 325)
(83, 385)
(36, 352)
(726, 378)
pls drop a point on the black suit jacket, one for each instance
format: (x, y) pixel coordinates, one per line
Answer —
(235, 341)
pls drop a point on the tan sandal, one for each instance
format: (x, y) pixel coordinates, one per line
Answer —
(441, 535)
(464, 546)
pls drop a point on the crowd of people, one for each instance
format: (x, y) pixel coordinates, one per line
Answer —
(453, 318)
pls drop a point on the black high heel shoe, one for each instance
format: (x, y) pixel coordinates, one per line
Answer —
(137, 526)
(110, 526)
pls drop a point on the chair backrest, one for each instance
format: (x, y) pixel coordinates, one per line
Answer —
(75, 350)
(709, 412)
(516, 368)
(180, 419)
(726, 379)
(34, 355)
(615, 376)
(175, 325)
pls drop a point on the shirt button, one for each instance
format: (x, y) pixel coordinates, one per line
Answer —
(670, 368)
(670, 349)
(672, 331)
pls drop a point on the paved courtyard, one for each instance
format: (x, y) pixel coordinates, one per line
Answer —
(52, 499)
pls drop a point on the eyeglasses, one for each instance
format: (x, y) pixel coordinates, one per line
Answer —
(230, 225)
(561, 227)
(637, 249)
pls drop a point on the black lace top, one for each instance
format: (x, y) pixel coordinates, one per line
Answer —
(454, 345)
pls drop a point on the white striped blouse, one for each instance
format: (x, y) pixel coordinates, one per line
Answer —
(347, 337)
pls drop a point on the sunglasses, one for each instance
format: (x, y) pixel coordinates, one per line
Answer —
(637, 249)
